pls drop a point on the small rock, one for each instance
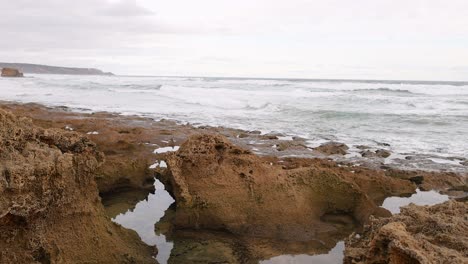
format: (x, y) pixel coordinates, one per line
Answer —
(289, 144)
(368, 154)
(243, 135)
(362, 147)
(383, 153)
(333, 148)
(270, 137)
(383, 144)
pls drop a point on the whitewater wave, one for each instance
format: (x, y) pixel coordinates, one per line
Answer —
(383, 90)
(421, 117)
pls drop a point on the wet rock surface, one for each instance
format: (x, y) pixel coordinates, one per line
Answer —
(419, 234)
(285, 162)
(380, 153)
(50, 211)
(127, 142)
(333, 148)
(427, 180)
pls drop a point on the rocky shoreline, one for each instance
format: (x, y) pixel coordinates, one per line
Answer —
(236, 190)
(50, 211)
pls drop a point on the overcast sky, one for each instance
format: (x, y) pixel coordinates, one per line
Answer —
(359, 39)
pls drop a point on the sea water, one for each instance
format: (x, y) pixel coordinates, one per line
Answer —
(429, 118)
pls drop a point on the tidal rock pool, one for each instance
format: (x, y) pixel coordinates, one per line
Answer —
(144, 216)
(393, 204)
(215, 247)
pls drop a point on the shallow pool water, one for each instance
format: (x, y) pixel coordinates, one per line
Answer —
(334, 256)
(149, 211)
(143, 217)
(393, 204)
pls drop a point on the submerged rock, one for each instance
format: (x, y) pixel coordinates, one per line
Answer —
(381, 153)
(419, 234)
(219, 186)
(11, 72)
(50, 211)
(333, 148)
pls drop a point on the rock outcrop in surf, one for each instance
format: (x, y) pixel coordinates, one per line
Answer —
(333, 148)
(11, 72)
(50, 211)
(419, 234)
(219, 186)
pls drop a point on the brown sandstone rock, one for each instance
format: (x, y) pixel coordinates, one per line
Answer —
(50, 211)
(383, 153)
(10, 72)
(419, 234)
(127, 157)
(333, 148)
(219, 186)
(427, 180)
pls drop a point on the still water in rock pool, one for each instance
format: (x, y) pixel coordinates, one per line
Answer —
(143, 217)
(149, 211)
(393, 204)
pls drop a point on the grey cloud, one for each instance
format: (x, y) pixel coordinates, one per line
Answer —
(52, 24)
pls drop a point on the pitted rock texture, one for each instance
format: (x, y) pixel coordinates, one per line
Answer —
(219, 186)
(419, 234)
(50, 211)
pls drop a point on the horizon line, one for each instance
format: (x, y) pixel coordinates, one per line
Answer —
(300, 79)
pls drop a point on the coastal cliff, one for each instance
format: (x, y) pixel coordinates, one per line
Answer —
(45, 69)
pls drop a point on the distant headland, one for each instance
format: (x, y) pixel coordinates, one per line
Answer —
(45, 69)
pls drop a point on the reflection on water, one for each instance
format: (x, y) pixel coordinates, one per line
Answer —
(145, 215)
(198, 246)
(393, 204)
(334, 256)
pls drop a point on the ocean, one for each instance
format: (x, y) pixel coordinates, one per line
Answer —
(429, 118)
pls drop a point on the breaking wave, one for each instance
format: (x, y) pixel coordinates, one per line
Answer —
(424, 117)
(384, 90)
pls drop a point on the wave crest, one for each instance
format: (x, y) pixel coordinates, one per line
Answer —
(384, 90)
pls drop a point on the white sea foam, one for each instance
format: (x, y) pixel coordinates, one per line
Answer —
(166, 149)
(429, 118)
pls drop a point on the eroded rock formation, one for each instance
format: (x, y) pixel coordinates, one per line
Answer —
(50, 211)
(11, 72)
(219, 186)
(419, 234)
